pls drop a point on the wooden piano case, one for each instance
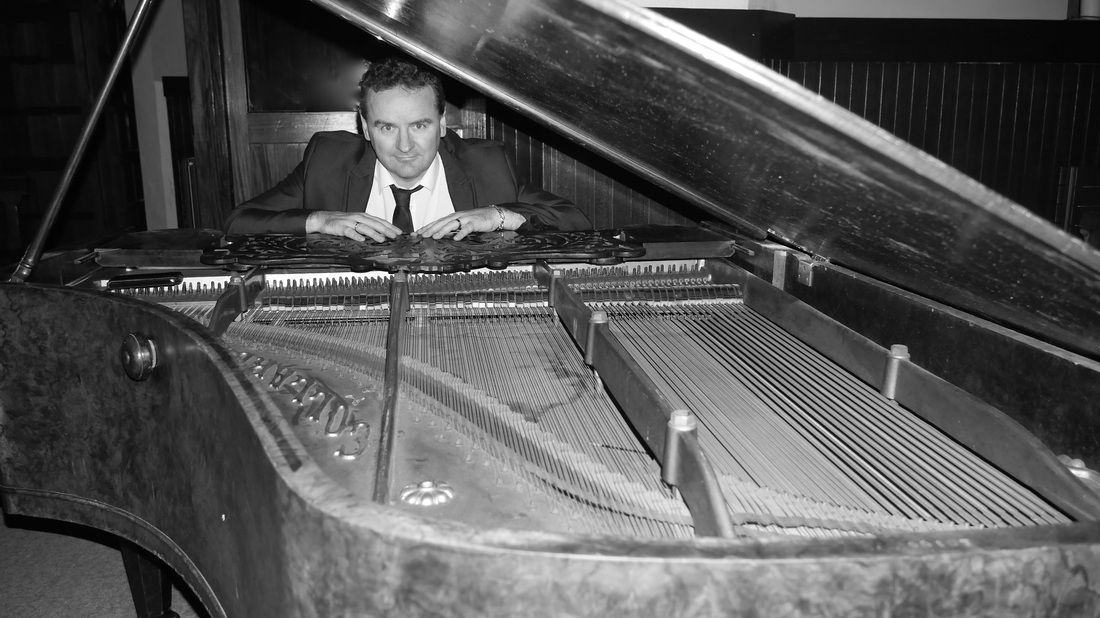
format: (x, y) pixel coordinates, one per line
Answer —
(128, 413)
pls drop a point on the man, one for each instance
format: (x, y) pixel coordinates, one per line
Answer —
(348, 186)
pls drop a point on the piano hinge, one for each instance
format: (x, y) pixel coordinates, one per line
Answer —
(804, 270)
(806, 264)
(736, 247)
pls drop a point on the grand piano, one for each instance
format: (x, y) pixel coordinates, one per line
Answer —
(868, 388)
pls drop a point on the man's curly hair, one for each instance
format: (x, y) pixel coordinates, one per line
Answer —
(401, 72)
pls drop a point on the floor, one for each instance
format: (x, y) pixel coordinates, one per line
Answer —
(49, 570)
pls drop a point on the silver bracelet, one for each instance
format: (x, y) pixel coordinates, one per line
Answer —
(500, 211)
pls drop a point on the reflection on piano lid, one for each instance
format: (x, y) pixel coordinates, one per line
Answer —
(758, 151)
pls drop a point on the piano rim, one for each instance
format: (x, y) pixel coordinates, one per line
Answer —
(1057, 550)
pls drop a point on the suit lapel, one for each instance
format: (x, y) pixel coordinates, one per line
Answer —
(360, 180)
(463, 196)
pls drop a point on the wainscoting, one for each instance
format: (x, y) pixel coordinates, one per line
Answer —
(1011, 126)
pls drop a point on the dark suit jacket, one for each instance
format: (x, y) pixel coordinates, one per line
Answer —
(337, 171)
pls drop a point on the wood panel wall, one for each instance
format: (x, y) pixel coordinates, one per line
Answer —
(1011, 126)
(54, 56)
(608, 195)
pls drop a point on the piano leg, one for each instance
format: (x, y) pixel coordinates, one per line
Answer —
(149, 584)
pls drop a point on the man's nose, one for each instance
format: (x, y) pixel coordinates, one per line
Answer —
(404, 140)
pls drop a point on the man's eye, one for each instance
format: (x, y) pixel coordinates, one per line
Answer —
(420, 126)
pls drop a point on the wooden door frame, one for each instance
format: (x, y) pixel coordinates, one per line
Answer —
(215, 66)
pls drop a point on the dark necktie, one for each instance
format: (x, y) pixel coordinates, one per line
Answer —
(402, 217)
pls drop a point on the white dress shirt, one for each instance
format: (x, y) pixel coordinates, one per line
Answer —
(426, 205)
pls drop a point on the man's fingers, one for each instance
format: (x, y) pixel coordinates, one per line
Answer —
(439, 228)
(463, 230)
(376, 228)
(461, 225)
(367, 230)
(456, 226)
(383, 227)
(360, 227)
(350, 232)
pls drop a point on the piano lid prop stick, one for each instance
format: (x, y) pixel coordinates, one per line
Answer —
(34, 251)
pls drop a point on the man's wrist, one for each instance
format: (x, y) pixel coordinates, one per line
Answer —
(313, 222)
(509, 220)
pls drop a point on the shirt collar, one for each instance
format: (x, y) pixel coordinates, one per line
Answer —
(429, 181)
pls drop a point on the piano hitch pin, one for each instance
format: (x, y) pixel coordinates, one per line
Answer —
(898, 353)
(680, 422)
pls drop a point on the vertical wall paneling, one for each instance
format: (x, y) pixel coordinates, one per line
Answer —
(1011, 126)
(271, 162)
(54, 56)
(1013, 139)
(609, 196)
(1049, 141)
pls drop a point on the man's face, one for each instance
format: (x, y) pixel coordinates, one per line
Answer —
(404, 128)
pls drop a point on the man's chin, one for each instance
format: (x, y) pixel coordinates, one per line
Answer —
(408, 173)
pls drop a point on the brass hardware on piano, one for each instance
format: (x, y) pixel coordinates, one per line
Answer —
(138, 356)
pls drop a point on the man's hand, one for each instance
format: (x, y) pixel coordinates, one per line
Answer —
(354, 225)
(478, 220)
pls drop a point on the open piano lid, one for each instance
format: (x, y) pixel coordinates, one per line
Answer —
(755, 150)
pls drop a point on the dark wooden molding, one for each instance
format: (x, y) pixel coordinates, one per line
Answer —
(236, 92)
(782, 36)
(945, 40)
(219, 102)
(205, 66)
(757, 34)
(295, 127)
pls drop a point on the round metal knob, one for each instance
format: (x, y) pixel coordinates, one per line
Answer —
(139, 356)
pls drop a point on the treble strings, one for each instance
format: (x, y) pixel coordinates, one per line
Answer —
(779, 415)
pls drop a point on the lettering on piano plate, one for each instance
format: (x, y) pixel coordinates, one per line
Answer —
(316, 403)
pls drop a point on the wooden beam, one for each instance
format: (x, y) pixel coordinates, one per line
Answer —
(296, 127)
(205, 66)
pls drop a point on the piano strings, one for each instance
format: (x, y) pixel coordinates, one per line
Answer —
(800, 446)
(779, 415)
